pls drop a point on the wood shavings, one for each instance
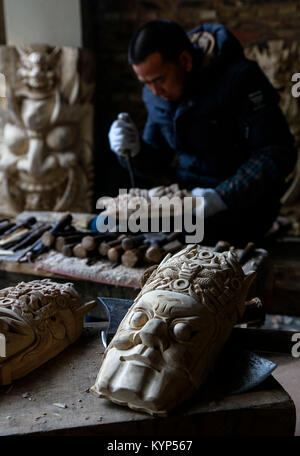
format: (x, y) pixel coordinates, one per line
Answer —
(60, 405)
(27, 396)
(98, 272)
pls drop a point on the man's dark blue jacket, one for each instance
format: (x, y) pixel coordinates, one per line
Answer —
(226, 133)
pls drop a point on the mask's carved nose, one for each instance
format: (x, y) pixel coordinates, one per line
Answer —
(155, 334)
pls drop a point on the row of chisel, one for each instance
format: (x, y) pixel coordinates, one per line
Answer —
(17, 236)
(128, 249)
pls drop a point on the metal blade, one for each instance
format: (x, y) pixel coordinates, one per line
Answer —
(115, 310)
(238, 370)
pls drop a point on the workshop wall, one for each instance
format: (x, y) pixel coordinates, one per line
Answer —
(252, 21)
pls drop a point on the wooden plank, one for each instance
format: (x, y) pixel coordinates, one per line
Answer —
(28, 407)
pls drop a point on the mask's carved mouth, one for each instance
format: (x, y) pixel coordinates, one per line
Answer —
(29, 193)
(29, 184)
(143, 360)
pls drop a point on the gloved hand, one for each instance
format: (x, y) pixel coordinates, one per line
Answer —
(213, 203)
(124, 137)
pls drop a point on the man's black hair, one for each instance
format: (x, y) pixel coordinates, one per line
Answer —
(162, 36)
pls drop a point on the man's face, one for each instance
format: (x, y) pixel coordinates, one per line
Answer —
(166, 79)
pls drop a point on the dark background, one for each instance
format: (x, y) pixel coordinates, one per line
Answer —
(108, 26)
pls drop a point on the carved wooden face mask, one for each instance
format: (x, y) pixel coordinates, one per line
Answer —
(166, 345)
(38, 320)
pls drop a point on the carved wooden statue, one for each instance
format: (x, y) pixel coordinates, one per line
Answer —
(46, 139)
(167, 343)
(38, 320)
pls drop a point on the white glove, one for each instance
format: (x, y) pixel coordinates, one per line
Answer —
(213, 203)
(124, 136)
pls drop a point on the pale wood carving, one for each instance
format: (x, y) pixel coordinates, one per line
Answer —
(38, 320)
(168, 342)
(46, 158)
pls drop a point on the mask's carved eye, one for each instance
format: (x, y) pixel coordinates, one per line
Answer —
(122, 341)
(139, 319)
(182, 331)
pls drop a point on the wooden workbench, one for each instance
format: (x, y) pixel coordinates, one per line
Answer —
(101, 279)
(279, 275)
(28, 406)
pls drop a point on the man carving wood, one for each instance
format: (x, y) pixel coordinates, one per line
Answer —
(214, 126)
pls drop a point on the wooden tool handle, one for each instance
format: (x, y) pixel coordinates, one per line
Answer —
(154, 254)
(61, 241)
(91, 242)
(79, 251)
(105, 246)
(50, 237)
(132, 242)
(114, 253)
(67, 249)
(131, 258)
